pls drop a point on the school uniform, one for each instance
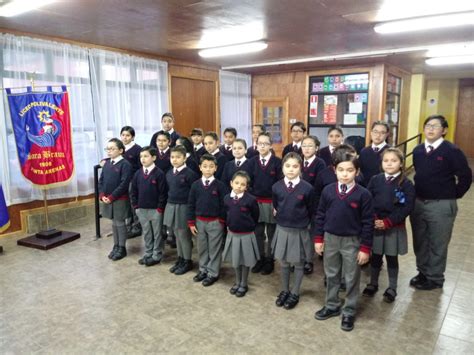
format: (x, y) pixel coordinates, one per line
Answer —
(264, 172)
(326, 154)
(179, 183)
(370, 159)
(242, 214)
(221, 161)
(132, 155)
(231, 167)
(311, 169)
(148, 198)
(173, 138)
(442, 176)
(252, 151)
(294, 204)
(292, 147)
(227, 151)
(192, 164)
(162, 160)
(199, 151)
(206, 212)
(393, 202)
(344, 222)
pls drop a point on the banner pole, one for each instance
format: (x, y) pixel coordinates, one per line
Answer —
(46, 209)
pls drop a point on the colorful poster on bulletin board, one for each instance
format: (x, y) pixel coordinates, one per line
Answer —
(330, 109)
(313, 106)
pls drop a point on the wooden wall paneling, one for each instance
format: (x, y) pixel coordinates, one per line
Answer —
(464, 122)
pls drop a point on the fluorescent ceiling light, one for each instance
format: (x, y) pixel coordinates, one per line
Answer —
(233, 50)
(226, 36)
(425, 23)
(17, 7)
(449, 50)
(460, 59)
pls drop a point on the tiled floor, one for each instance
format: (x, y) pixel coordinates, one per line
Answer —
(73, 299)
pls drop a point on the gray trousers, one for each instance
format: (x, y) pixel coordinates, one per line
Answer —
(152, 222)
(432, 224)
(260, 235)
(340, 255)
(184, 242)
(209, 243)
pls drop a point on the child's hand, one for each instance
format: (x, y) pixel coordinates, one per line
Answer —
(379, 224)
(102, 163)
(319, 248)
(274, 212)
(194, 230)
(362, 258)
(106, 200)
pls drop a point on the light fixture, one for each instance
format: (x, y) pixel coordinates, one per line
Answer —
(425, 23)
(452, 60)
(231, 35)
(17, 7)
(449, 50)
(233, 50)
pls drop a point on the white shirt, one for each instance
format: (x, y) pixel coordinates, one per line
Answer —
(394, 176)
(179, 169)
(295, 181)
(149, 169)
(298, 145)
(435, 144)
(310, 160)
(116, 160)
(171, 131)
(215, 152)
(331, 149)
(163, 151)
(210, 179)
(349, 187)
(380, 146)
(233, 195)
(129, 145)
(199, 146)
(242, 160)
(266, 157)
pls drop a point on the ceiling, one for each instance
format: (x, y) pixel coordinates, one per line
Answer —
(292, 29)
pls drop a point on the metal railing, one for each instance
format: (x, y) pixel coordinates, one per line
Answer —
(403, 146)
(96, 201)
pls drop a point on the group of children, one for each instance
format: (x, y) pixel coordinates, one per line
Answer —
(231, 198)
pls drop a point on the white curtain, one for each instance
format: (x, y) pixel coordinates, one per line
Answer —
(235, 94)
(107, 90)
(49, 63)
(130, 91)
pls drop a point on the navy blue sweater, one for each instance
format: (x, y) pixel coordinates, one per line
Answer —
(242, 214)
(174, 137)
(179, 185)
(199, 153)
(325, 154)
(251, 152)
(150, 191)
(227, 153)
(115, 179)
(310, 173)
(263, 177)
(289, 148)
(192, 164)
(221, 161)
(370, 162)
(163, 161)
(345, 216)
(206, 202)
(133, 157)
(295, 207)
(230, 169)
(389, 207)
(436, 173)
(328, 176)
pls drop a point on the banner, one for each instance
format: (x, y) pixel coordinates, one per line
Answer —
(42, 127)
(4, 218)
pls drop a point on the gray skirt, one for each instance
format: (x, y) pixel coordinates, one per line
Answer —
(391, 242)
(291, 244)
(266, 213)
(175, 216)
(241, 249)
(119, 210)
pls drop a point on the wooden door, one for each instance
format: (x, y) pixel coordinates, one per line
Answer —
(193, 104)
(465, 119)
(273, 114)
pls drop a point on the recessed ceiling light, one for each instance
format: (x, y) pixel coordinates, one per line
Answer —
(233, 50)
(425, 23)
(452, 60)
(449, 50)
(17, 7)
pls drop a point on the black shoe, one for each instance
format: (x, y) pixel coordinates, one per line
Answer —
(171, 242)
(281, 299)
(428, 285)
(120, 254)
(113, 251)
(418, 279)
(308, 268)
(268, 267)
(370, 290)
(258, 266)
(389, 295)
(342, 287)
(326, 313)
(292, 268)
(234, 289)
(177, 264)
(151, 262)
(142, 261)
(241, 291)
(291, 301)
(209, 281)
(186, 265)
(199, 276)
(347, 323)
